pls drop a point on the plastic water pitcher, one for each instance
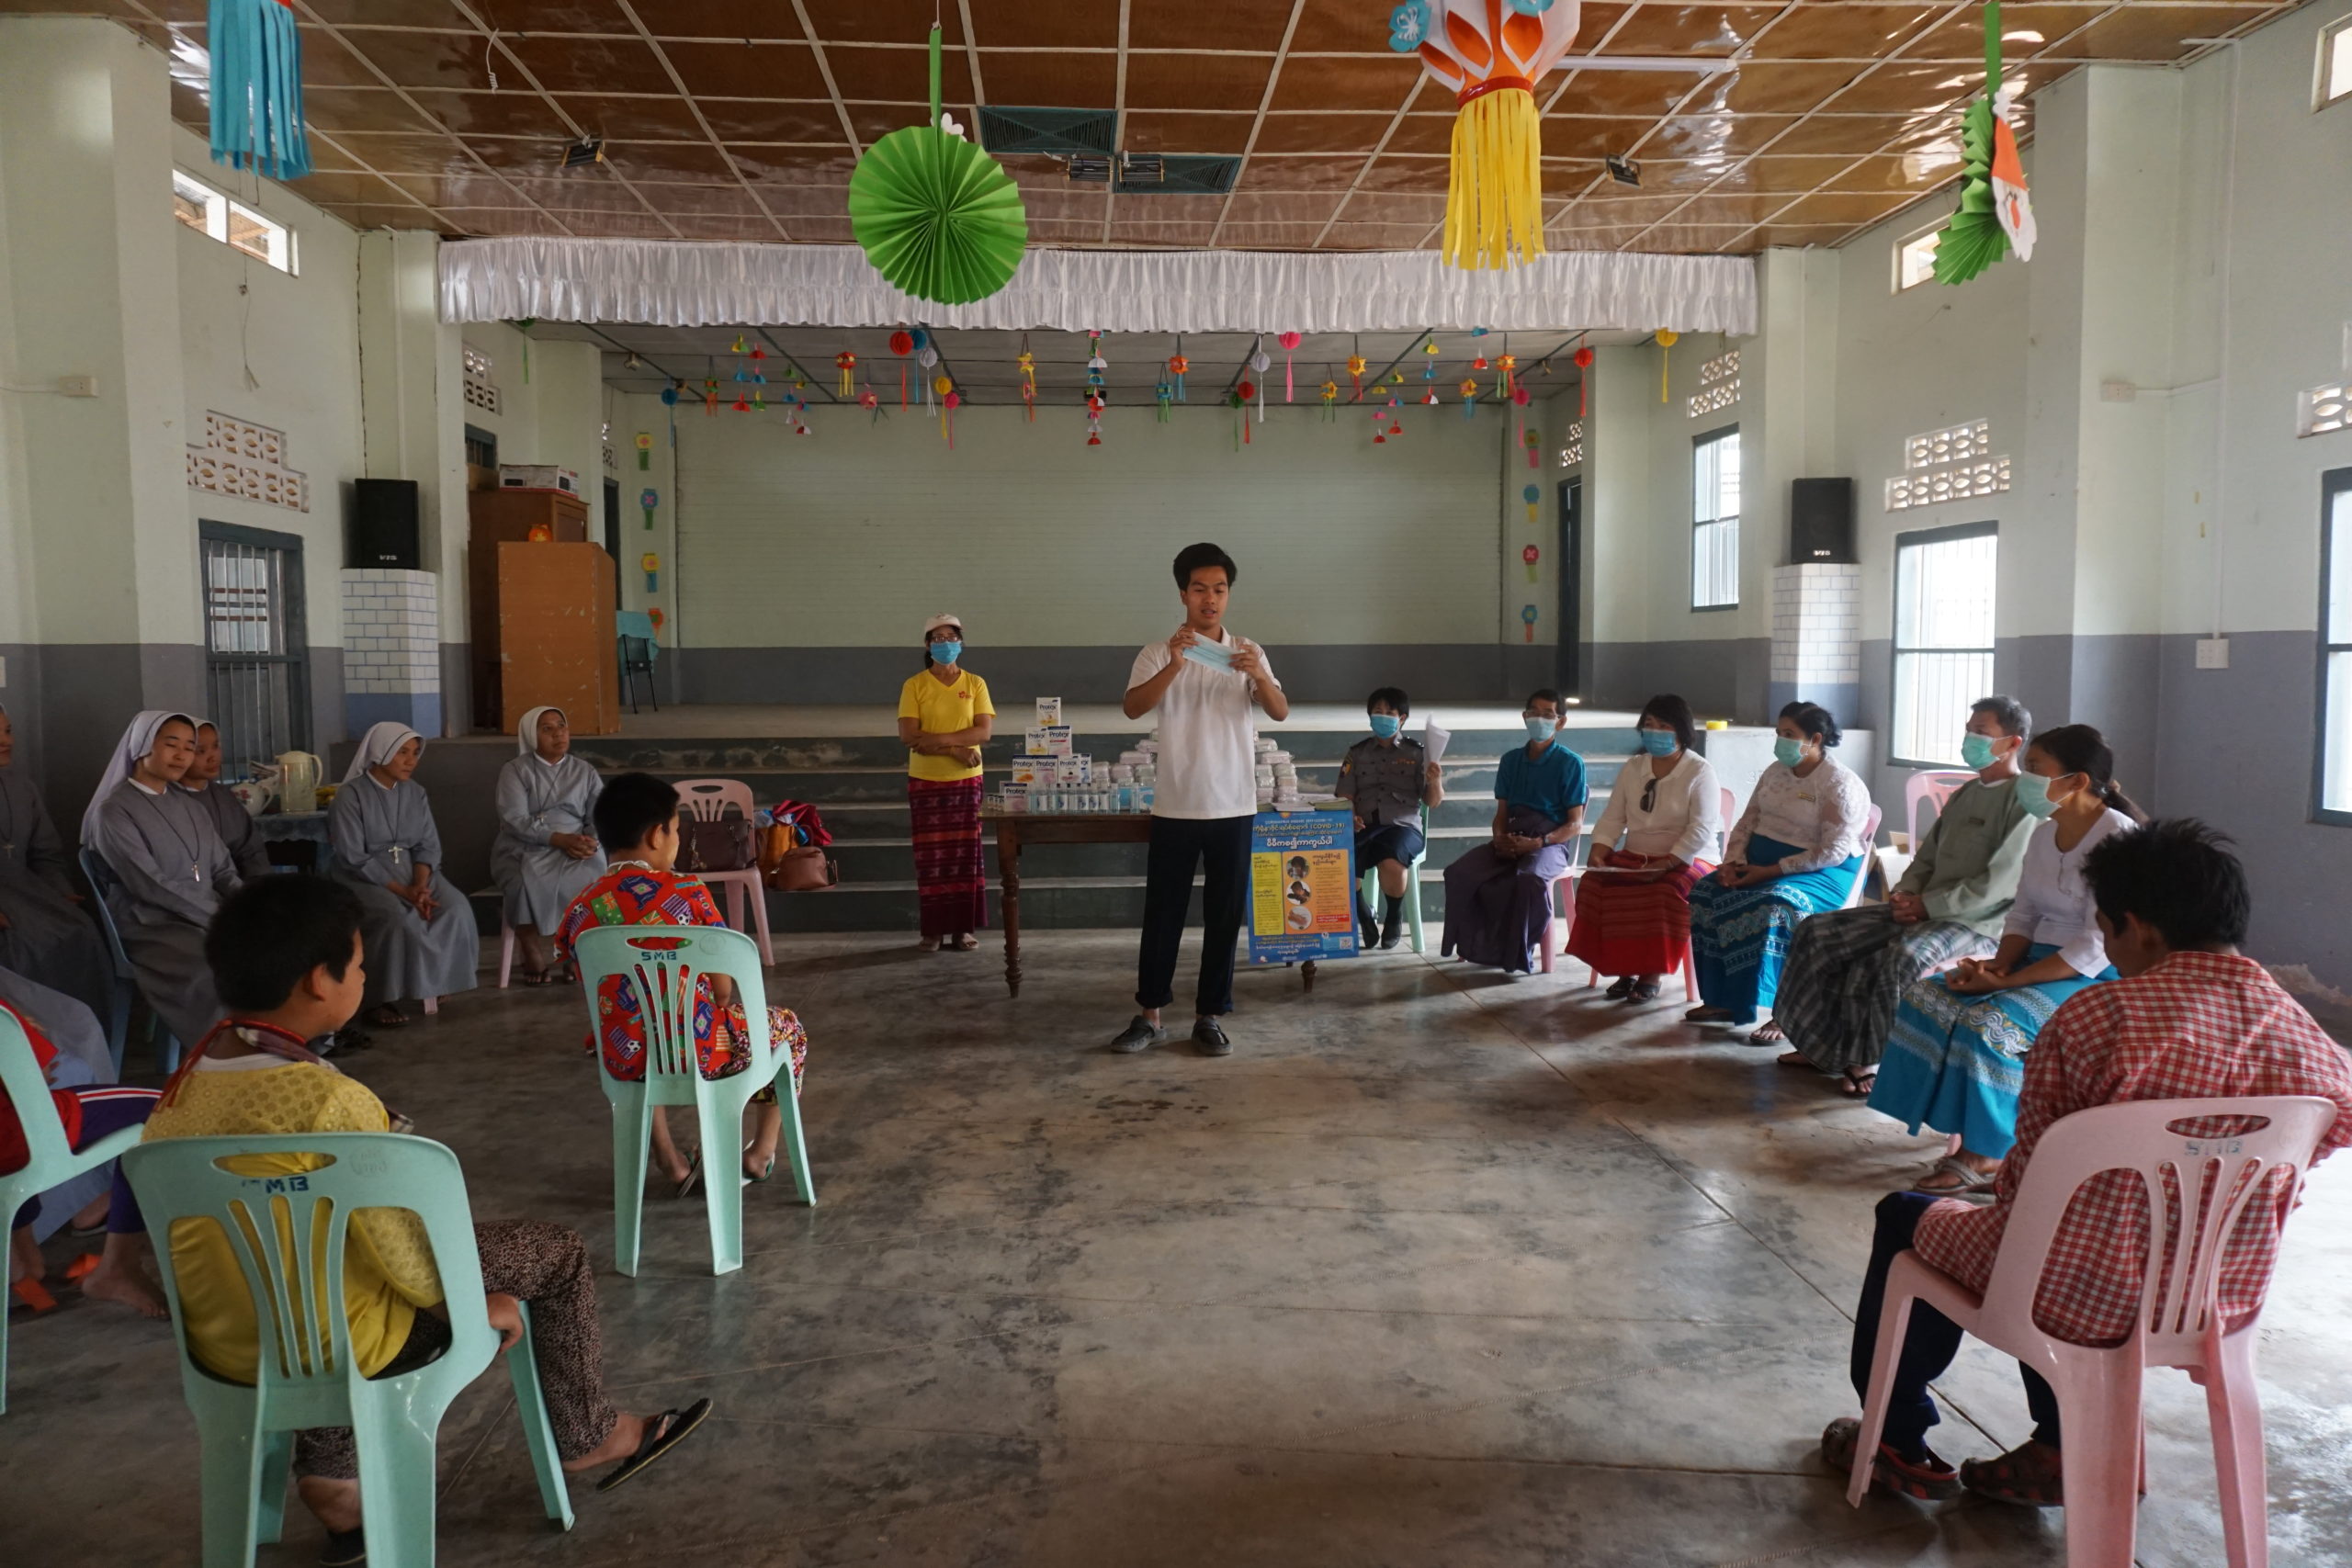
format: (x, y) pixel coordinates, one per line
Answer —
(298, 782)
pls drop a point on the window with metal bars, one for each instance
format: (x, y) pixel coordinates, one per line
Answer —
(2336, 647)
(1944, 582)
(256, 652)
(1715, 519)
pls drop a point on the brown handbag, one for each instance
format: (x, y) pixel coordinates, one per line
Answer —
(805, 870)
(724, 845)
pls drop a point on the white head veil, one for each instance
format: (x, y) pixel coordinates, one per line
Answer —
(136, 742)
(375, 747)
(527, 734)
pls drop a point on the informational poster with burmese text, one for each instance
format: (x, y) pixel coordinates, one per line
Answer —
(1302, 887)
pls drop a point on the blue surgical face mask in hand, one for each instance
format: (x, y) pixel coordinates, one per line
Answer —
(1788, 752)
(946, 653)
(1976, 750)
(1542, 728)
(2034, 794)
(1387, 724)
(1658, 742)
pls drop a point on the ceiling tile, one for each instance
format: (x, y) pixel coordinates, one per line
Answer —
(797, 200)
(642, 119)
(1280, 172)
(1416, 174)
(1376, 237)
(1270, 236)
(1356, 84)
(1848, 207)
(875, 121)
(883, 21)
(590, 64)
(777, 166)
(736, 71)
(520, 154)
(1792, 234)
(326, 156)
(1322, 133)
(1026, 22)
(2147, 32)
(1693, 240)
(1643, 93)
(1284, 207)
(1718, 208)
(1682, 29)
(1219, 24)
(1150, 232)
(1845, 32)
(1776, 171)
(1345, 27)
(733, 20)
(1419, 132)
(1589, 137)
(1063, 231)
(445, 191)
(1903, 88)
(1067, 203)
(1899, 171)
(438, 13)
(348, 190)
(410, 59)
(573, 190)
(1040, 79)
(1126, 209)
(397, 151)
(692, 228)
(513, 111)
(1687, 174)
(2026, 30)
(897, 76)
(339, 109)
(1197, 81)
(1151, 130)
(822, 231)
(734, 120)
(1391, 206)
(670, 162)
(639, 225)
(1855, 136)
(1789, 88)
(1609, 209)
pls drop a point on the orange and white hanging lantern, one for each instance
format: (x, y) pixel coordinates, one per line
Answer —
(1490, 54)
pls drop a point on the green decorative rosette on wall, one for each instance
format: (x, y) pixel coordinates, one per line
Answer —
(935, 214)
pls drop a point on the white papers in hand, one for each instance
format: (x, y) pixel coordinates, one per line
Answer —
(1434, 739)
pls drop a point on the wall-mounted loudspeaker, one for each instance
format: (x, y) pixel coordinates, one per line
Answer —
(1821, 520)
(382, 528)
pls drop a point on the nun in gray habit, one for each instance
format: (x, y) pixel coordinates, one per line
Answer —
(546, 853)
(166, 869)
(418, 930)
(43, 928)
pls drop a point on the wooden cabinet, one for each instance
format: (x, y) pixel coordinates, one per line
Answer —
(556, 604)
(496, 517)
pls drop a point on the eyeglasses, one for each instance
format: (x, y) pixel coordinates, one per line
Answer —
(1649, 793)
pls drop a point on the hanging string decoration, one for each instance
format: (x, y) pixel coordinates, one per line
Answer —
(846, 364)
(1237, 400)
(937, 216)
(1534, 498)
(902, 344)
(1379, 430)
(1469, 390)
(1163, 396)
(1534, 444)
(1289, 342)
(1095, 362)
(1508, 365)
(1489, 54)
(1028, 362)
(950, 399)
(1355, 375)
(928, 357)
(1667, 338)
(1531, 554)
(1094, 419)
(1330, 393)
(1177, 366)
(1261, 362)
(871, 402)
(1527, 619)
(1429, 397)
(1582, 360)
(1996, 215)
(257, 88)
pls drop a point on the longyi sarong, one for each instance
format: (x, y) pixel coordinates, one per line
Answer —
(1498, 908)
(1846, 973)
(1956, 1063)
(951, 881)
(1739, 936)
(1626, 925)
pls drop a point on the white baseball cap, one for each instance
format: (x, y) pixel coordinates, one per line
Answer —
(936, 622)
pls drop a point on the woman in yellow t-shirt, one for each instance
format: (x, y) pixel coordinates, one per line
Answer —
(944, 717)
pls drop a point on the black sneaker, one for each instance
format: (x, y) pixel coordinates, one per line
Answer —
(1139, 1034)
(345, 1549)
(1371, 934)
(1395, 938)
(1210, 1036)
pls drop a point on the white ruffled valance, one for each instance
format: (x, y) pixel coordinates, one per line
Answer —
(676, 282)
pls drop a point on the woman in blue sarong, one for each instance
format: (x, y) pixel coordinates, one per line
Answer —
(1956, 1060)
(1796, 852)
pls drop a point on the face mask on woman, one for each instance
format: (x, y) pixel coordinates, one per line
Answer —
(1658, 742)
(1541, 728)
(1387, 724)
(2034, 794)
(946, 653)
(1976, 750)
(1788, 752)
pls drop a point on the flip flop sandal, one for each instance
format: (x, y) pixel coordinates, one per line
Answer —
(537, 977)
(692, 1178)
(1854, 1088)
(769, 1169)
(1708, 1015)
(668, 1430)
(1646, 991)
(1929, 1478)
(1766, 1033)
(2022, 1476)
(1794, 1059)
(1620, 990)
(389, 1017)
(1968, 1181)
(967, 942)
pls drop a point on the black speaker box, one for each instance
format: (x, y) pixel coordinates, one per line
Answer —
(382, 529)
(1821, 520)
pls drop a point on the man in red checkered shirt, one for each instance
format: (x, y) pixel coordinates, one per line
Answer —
(2191, 1019)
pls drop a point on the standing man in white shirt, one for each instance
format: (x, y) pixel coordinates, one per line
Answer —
(1202, 682)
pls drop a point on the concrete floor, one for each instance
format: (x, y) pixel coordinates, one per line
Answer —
(1438, 1268)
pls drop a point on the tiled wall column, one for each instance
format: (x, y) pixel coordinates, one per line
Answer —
(1816, 638)
(391, 648)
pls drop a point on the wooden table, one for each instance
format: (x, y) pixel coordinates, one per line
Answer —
(1013, 829)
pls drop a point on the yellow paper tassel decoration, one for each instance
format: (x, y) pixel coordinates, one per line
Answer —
(1496, 197)
(1667, 338)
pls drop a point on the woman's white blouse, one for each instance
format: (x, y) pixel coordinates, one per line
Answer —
(2053, 902)
(1686, 814)
(1825, 814)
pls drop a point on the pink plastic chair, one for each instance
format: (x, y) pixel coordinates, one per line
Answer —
(1871, 825)
(1936, 785)
(706, 800)
(1548, 949)
(2181, 1326)
(1690, 961)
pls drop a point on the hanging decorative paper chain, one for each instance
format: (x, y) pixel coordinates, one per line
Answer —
(1177, 366)
(950, 399)
(1508, 365)
(1094, 419)
(902, 344)
(1469, 390)
(257, 88)
(1162, 396)
(1028, 362)
(1330, 393)
(1355, 375)
(1258, 362)
(871, 402)
(1289, 342)
(928, 357)
(1582, 360)
(1667, 338)
(1489, 54)
(846, 363)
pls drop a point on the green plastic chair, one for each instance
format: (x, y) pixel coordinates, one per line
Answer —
(53, 1161)
(659, 964)
(309, 1378)
(1369, 884)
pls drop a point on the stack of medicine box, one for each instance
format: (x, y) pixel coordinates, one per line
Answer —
(1052, 777)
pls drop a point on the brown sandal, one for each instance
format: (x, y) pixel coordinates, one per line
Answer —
(2031, 1475)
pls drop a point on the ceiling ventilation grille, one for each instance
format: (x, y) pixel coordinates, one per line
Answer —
(1187, 174)
(1062, 132)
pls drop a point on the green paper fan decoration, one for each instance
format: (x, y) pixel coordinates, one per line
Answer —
(936, 215)
(1974, 239)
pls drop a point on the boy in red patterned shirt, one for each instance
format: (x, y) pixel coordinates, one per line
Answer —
(2192, 1019)
(637, 821)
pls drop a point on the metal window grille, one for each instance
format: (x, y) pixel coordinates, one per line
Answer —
(2336, 647)
(256, 653)
(1715, 519)
(1944, 584)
